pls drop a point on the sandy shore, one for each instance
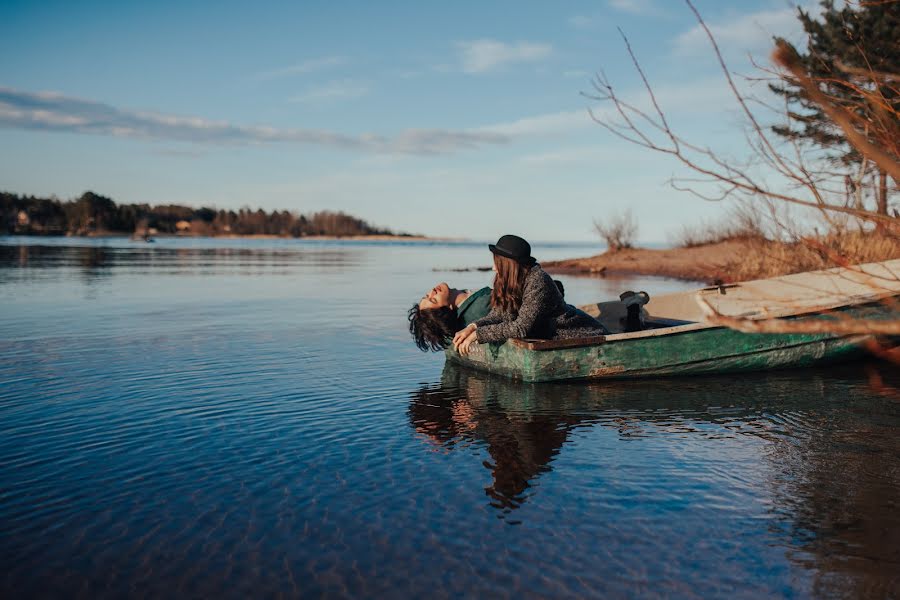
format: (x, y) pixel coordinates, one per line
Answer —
(706, 264)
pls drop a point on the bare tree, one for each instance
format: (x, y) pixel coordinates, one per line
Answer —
(618, 231)
(811, 183)
(804, 178)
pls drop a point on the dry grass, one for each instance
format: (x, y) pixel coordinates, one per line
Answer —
(694, 236)
(765, 258)
(742, 223)
(771, 244)
(618, 231)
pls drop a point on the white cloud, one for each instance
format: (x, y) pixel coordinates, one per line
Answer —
(751, 32)
(644, 8)
(407, 73)
(541, 125)
(332, 90)
(302, 68)
(481, 56)
(44, 111)
(697, 96)
(635, 7)
(581, 22)
(563, 156)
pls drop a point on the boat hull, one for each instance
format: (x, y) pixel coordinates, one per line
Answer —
(677, 351)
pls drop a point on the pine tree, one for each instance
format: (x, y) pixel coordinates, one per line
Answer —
(853, 54)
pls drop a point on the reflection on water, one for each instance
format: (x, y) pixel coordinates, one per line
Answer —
(521, 437)
(831, 461)
(179, 260)
(250, 418)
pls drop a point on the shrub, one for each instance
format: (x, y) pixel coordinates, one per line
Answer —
(618, 231)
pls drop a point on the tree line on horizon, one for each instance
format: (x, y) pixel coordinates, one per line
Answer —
(93, 214)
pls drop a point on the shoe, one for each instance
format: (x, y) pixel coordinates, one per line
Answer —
(638, 298)
(634, 301)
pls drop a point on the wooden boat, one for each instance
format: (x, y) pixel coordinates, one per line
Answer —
(679, 341)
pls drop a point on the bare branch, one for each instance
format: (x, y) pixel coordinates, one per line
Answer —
(832, 323)
(786, 56)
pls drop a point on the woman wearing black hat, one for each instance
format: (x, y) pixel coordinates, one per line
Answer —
(525, 303)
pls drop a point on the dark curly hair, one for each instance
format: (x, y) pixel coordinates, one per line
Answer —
(433, 328)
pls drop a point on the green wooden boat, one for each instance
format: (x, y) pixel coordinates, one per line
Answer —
(679, 342)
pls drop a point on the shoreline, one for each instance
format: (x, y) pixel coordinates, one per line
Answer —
(252, 236)
(707, 264)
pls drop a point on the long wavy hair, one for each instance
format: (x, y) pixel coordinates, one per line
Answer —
(433, 328)
(508, 284)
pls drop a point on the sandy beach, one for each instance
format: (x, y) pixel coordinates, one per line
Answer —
(708, 263)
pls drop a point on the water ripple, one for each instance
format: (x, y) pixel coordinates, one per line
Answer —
(256, 422)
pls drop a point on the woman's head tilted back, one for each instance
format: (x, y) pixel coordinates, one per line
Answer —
(433, 321)
(512, 260)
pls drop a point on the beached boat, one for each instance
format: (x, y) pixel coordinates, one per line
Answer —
(680, 341)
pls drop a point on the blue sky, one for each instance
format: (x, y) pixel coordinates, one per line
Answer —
(461, 120)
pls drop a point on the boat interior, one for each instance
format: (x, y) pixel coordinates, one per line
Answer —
(784, 296)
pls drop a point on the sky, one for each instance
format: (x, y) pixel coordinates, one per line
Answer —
(463, 120)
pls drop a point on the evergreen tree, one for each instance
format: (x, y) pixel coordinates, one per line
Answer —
(853, 54)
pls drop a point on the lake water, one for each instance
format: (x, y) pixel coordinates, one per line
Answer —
(249, 418)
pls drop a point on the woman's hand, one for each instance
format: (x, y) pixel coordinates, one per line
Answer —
(465, 338)
(463, 334)
(466, 343)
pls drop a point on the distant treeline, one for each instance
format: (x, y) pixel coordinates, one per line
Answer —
(93, 214)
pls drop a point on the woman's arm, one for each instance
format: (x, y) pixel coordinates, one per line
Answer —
(492, 318)
(534, 304)
(466, 337)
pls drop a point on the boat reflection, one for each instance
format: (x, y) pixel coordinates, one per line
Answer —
(522, 436)
(525, 426)
(814, 468)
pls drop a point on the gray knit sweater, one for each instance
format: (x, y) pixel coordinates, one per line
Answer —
(542, 315)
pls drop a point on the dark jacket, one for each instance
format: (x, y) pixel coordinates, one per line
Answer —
(476, 306)
(542, 315)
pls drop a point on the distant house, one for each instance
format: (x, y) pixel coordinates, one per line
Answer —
(23, 219)
(183, 226)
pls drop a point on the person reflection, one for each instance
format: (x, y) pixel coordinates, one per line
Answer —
(522, 439)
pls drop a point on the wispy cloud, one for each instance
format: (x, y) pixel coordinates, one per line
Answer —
(332, 90)
(178, 153)
(407, 73)
(635, 7)
(481, 56)
(643, 8)
(594, 153)
(581, 22)
(699, 96)
(541, 125)
(302, 68)
(46, 111)
(750, 32)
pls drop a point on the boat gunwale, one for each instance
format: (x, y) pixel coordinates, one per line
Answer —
(538, 345)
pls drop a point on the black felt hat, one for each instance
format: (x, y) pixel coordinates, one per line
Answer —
(514, 247)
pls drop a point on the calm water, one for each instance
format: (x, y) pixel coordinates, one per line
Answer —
(250, 418)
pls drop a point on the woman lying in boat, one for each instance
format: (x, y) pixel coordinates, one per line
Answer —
(445, 310)
(525, 303)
